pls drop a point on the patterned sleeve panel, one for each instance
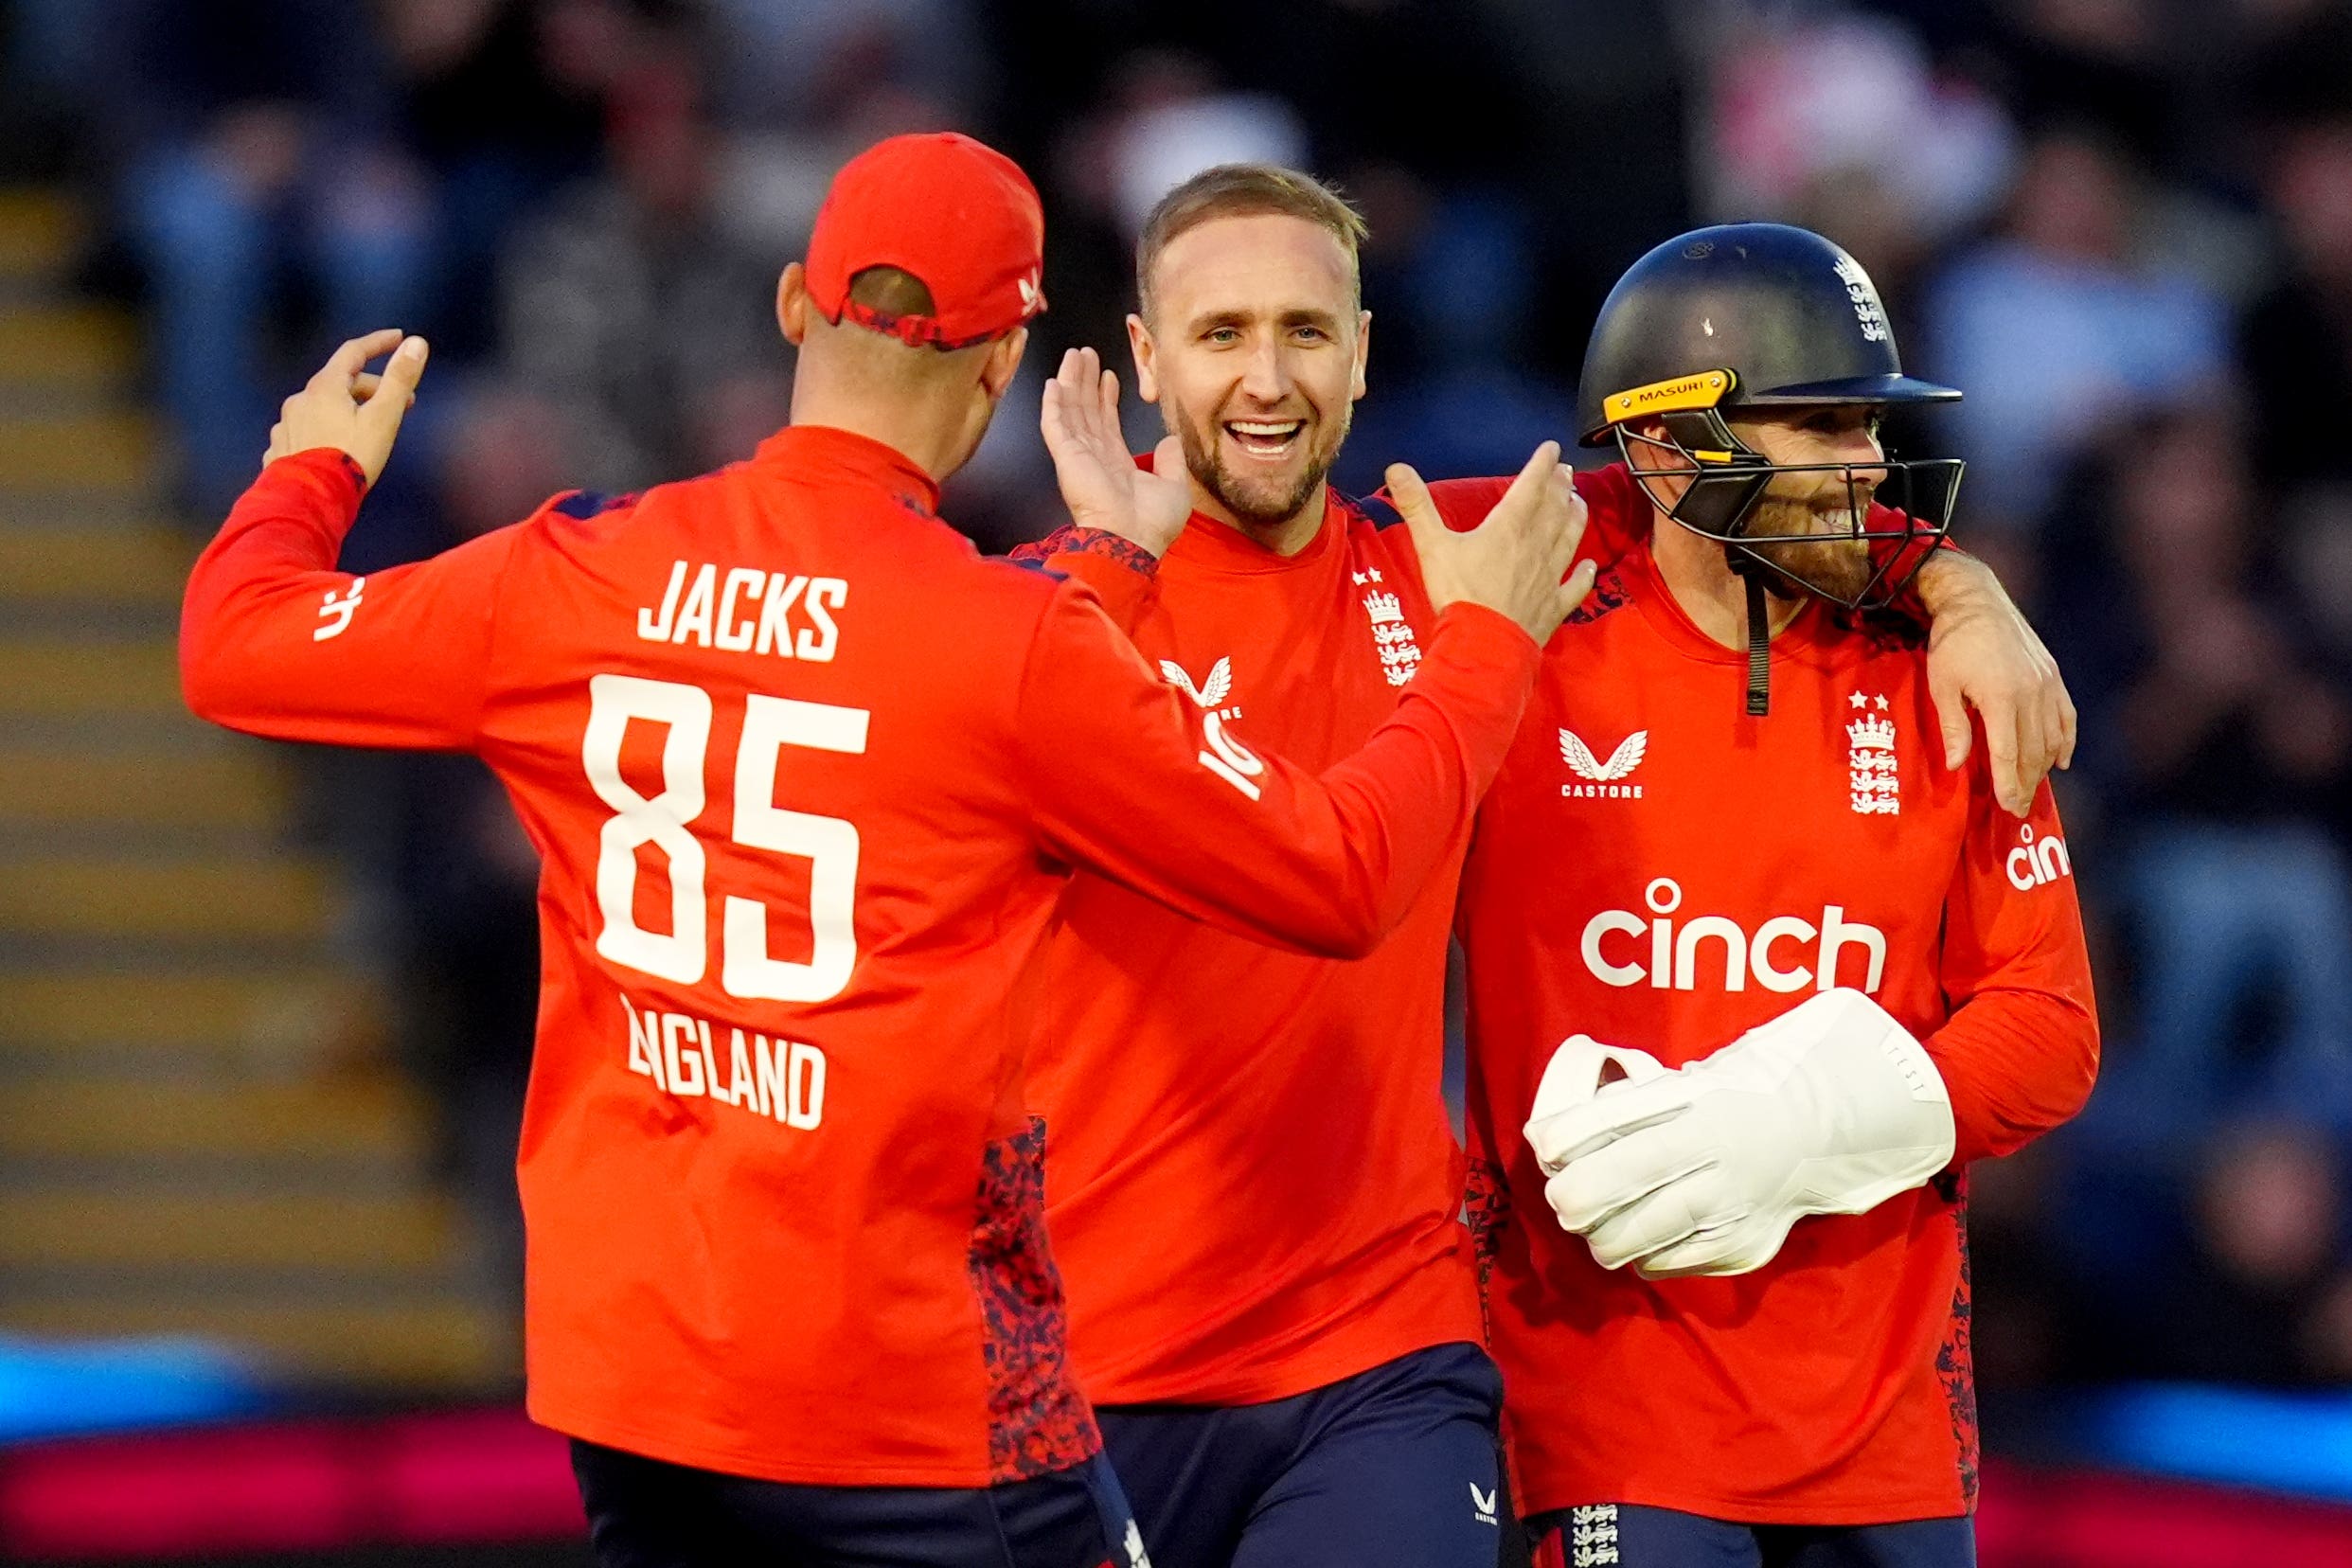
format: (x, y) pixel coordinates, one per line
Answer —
(1486, 1205)
(1072, 540)
(1037, 1422)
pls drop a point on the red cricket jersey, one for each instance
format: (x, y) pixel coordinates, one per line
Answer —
(1655, 868)
(1255, 1189)
(807, 776)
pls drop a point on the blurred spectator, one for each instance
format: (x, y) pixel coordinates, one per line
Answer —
(2262, 1296)
(1451, 281)
(1800, 102)
(502, 101)
(631, 303)
(2297, 342)
(2228, 746)
(258, 147)
(2055, 333)
(466, 879)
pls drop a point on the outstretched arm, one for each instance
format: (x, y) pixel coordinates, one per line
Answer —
(275, 641)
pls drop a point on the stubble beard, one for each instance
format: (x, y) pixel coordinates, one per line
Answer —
(1836, 569)
(1263, 502)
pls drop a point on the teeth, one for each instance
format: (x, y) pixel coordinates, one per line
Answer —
(1246, 428)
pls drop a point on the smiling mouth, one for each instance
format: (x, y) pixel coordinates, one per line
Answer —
(1266, 440)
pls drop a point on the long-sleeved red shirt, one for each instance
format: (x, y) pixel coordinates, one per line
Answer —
(1253, 1185)
(1658, 869)
(807, 778)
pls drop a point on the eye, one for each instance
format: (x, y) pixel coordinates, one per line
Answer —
(1311, 334)
(1221, 335)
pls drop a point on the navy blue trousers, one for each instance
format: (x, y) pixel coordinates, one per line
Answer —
(1624, 1535)
(644, 1513)
(1394, 1468)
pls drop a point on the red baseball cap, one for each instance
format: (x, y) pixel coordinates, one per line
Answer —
(944, 209)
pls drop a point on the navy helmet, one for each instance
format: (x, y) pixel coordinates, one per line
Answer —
(1754, 316)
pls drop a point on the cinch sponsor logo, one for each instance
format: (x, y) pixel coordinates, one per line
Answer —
(1787, 953)
(2031, 865)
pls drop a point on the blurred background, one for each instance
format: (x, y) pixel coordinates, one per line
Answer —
(265, 1013)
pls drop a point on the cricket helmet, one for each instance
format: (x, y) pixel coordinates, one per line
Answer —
(1749, 317)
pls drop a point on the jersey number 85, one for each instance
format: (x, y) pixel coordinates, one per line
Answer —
(829, 844)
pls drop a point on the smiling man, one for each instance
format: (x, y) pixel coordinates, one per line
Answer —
(1254, 1186)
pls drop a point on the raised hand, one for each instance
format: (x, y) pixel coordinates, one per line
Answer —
(1513, 561)
(347, 408)
(1100, 482)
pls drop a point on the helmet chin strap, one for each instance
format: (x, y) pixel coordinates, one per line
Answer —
(1759, 635)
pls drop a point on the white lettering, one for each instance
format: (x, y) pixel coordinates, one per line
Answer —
(742, 1089)
(1836, 935)
(1760, 953)
(645, 1045)
(1229, 758)
(818, 639)
(744, 582)
(806, 1107)
(783, 1080)
(1601, 925)
(694, 617)
(658, 630)
(1734, 942)
(686, 1067)
(1675, 949)
(775, 627)
(774, 1062)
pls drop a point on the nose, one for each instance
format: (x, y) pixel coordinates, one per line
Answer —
(1864, 457)
(1265, 377)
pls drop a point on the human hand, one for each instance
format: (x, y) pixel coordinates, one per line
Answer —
(1983, 655)
(350, 409)
(1512, 561)
(1099, 482)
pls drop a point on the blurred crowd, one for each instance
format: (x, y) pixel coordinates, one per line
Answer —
(2124, 226)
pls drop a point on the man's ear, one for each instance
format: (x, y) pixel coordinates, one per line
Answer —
(791, 303)
(1140, 345)
(1003, 361)
(1364, 351)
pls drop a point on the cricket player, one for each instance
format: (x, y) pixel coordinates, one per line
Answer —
(807, 778)
(1804, 972)
(1255, 1189)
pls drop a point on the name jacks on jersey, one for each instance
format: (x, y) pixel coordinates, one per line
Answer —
(779, 1079)
(717, 612)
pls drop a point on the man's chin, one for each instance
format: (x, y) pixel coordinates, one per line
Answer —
(1827, 570)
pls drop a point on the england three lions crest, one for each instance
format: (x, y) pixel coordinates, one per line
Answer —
(1873, 783)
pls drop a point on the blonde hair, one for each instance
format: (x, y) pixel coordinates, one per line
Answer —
(1245, 190)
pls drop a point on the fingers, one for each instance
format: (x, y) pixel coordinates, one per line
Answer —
(2037, 748)
(1577, 585)
(349, 360)
(1951, 716)
(364, 386)
(396, 389)
(1109, 398)
(1528, 488)
(1580, 1132)
(2001, 738)
(1168, 458)
(1662, 1219)
(2065, 718)
(1593, 1189)
(1410, 497)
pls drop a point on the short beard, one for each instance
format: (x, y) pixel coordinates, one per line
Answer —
(1838, 569)
(1261, 507)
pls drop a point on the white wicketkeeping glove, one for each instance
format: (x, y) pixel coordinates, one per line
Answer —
(1831, 1108)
